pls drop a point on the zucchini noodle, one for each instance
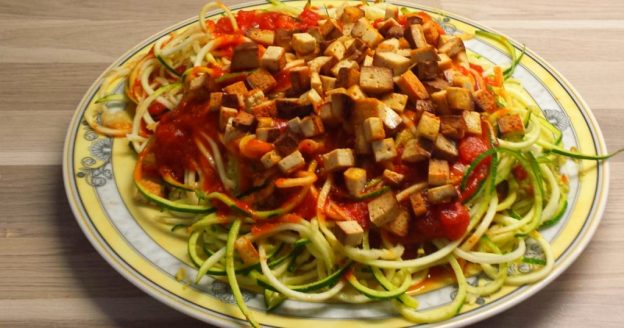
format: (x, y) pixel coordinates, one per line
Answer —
(264, 182)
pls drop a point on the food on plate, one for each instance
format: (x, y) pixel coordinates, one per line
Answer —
(340, 153)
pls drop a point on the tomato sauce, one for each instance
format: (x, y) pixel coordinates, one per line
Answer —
(268, 21)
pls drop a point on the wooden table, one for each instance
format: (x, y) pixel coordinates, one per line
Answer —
(51, 52)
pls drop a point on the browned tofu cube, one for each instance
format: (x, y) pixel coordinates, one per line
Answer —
(473, 122)
(286, 143)
(322, 64)
(374, 129)
(395, 32)
(347, 77)
(392, 178)
(349, 233)
(253, 98)
(418, 204)
(288, 108)
(372, 37)
(390, 118)
(315, 32)
(443, 194)
(384, 149)
(416, 151)
(431, 32)
(362, 147)
(273, 59)
(330, 30)
(236, 88)
(269, 134)
(245, 57)
(428, 126)
(413, 18)
(231, 132)
(265, 109)
(264, 37)
(383, 209)
(365, 108)
(261, 79)
(459, 99)
(233, 100)
(338, 159)
(376, 80)
(300, 79)
(294, 126)
(343, 63)
(335, 49)
(270, 159)
(409, 83)
(485, 100)
(312, 126)
(427, 71)
(397, 63)
(244, 121)
(416, 36)
(265, 122)
(510, 126)
(396, 101)
(438, 172)
(400, 225)
(445, 148)
(425, 54)
(385, 26)
(355, 92)
(216, 99)
(452, 126)
(246, 250)
(440, 102)
(445, 62)
(291, 163)
(452, 47)
(389, 45)
(328, 82)
(351, 14)
(282, 38)
(303, 43)
(355, 180)
(225, 113)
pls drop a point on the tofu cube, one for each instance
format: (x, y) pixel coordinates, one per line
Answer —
(282, 38)
(383, 209)
(311, 97)
(390, 118)
(453, 126)
(386, 26)
(351, 14)
(431, 32)
(374, 129)
(322, 63)
(300, 79)
(265, 109)
(415, 151)
(261, 79)
(397, 63)
(268, 134)
(368, 61)
(264, 37)
(244, 121)
(372, 37)
(355, 92)
(473, 122)
(365, 108)
(355, 180)
(225, 113)
(376, 80)
(231, 132)
(418, 204)
(362, 146)
(349, 233)
(338, 159)
(409, 83)
(443, 194)
(246, 250)
(427, 71)
(236, 88)
(286, 144)
(232, 100)
(328, 83)
(347, 77)
(510, 126)
(396, 101)
(312, 126)
(425, 54)
(428, 126)
(253, 98)
(270, 159)
(444, 62)
(440, 102)
(330, 30)
(445, 148)
(452, 47)
(294, 126)
(392, 178)
(361, 26)
(265, 122)
(303, 43)
(415, 35)
(392, 12)
(335, 49)
(288, 108)
(384, 149)
(395, 31)
(438, 172)
(245, 57)
(348, 63)
(400, 225)
(459, 99)
(316, 83)
(291, 163)
(485, 100)
(216, 98)
(391, 45)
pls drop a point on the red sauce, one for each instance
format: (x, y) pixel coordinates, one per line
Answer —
(307, 208)
(448, 221)
(268, 21)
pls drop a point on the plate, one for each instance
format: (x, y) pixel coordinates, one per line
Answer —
(97, 176)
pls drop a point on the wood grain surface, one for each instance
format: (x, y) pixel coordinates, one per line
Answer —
(51, 52)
